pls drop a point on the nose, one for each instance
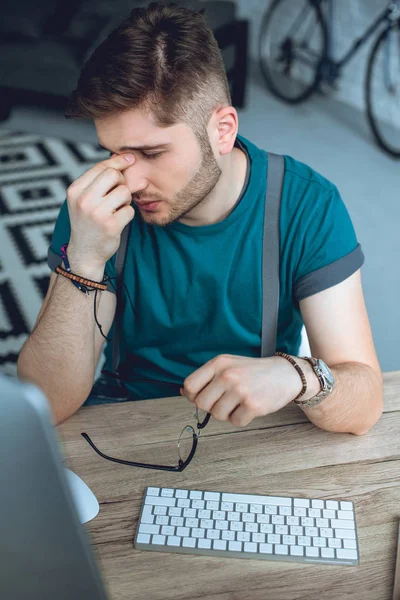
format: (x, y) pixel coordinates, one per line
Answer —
(135, 179)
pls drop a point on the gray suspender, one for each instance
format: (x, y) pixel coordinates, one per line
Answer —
(270, 264)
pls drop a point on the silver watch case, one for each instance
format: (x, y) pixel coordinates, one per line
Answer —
(326, 380)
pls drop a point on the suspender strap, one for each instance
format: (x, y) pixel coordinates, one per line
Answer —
(270, 264)
(271, 253)
(119, 268)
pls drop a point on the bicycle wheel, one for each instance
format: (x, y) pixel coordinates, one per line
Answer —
(293, 41)
(382, 90)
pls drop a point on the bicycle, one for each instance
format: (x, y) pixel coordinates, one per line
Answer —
(286, 62)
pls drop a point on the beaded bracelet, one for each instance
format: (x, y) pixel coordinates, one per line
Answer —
(298, 369)
(83, 284)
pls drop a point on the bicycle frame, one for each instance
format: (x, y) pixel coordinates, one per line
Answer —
(391, 13)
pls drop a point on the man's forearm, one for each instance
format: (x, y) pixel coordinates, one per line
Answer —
(355, 404)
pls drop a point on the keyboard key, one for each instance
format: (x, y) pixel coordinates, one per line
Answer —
(327, 553)
(213, 534)
(183, 531)
(350, 544)
(162, 520)
(266, 528)
(235, 546)
(219, 515)
(307, 522)
(174, 511)
(198, 504)
(342, 524)
(173, 540)
(189, 513)
(281, 549)
(147, 516)
(160, 510)
(317, 504)
(263, 518)
(195, 495)
(241, 507)
(167, 530)
(285, 510)
(256, 508)
(258, 537)
(311, 531)
(250, 547)
(167, 492)
(297, 550)
(207, 523)
(212, 496)
(345, 514)
(191, 522)
(319, 541)
(290, 540)
(334, 543)
(277, 519)
(236, 526)
(326, 532)
(298, 511)
(188, 542)
(212, 505)
(143, 538)
(153, 491)
(346, 506)
(322, 522)
(345, 553)
(252, 527)
(292, 521)
(227, 535)
(312, 551)
(303, 540)
(204, 543)
(143, 528)
(302, 502)
(183, 503)
(329, 514)
(332, 504)
(282, 529)
(270, 510)
(233, 516)
(227, 506)
(197, 532)
(177, 521)
(204, 514)
(296, 530)
(181, 494)
(221, 525)
(158, 539)
(248, 518)
(314, 512)
(219, 545)
(160, 501)
(266, 548)
(251, 499)
(243, 536)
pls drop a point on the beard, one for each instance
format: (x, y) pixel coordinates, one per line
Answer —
(194, 193)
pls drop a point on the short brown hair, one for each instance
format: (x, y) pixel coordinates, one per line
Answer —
(163, 59)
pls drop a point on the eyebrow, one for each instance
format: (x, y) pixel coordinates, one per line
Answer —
(144, 147)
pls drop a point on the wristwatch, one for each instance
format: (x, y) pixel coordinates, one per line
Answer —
(326, 380)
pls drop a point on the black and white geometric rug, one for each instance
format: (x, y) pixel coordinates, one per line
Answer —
(35, 173)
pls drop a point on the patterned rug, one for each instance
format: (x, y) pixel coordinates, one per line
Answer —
(35, 173)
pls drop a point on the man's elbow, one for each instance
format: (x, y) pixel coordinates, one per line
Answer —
(374, 417)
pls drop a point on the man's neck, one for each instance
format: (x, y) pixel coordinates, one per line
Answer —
(223, 198)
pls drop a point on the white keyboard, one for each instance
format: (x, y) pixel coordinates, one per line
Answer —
(248, 526)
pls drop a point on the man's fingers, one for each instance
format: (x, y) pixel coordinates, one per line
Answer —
(225, 406)
(86, 179)
(198, 380)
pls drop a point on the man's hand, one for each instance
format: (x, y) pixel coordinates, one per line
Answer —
(238, 388)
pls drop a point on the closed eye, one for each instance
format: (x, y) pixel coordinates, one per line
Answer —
(147, 156)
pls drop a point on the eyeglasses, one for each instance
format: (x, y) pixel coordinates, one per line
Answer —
(187, 441)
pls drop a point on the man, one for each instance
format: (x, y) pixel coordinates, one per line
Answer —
(157, 92)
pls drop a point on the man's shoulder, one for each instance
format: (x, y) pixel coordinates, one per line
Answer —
(303, 175)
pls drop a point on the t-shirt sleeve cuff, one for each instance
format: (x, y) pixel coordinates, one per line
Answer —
(330, 275)
(54, 260)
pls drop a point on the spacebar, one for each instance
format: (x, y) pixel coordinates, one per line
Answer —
(275, 500)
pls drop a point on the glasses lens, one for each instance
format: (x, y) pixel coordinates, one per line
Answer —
(185, 443)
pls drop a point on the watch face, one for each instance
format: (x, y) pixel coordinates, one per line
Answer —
(326, 372)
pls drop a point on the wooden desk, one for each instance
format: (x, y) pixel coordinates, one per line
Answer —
(282, 454)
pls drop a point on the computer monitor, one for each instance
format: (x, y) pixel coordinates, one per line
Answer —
(44, 550)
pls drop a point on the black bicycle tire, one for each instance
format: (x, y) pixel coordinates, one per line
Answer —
(264, 71)
(368, 99)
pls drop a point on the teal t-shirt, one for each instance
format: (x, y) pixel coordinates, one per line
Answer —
(196, 292)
